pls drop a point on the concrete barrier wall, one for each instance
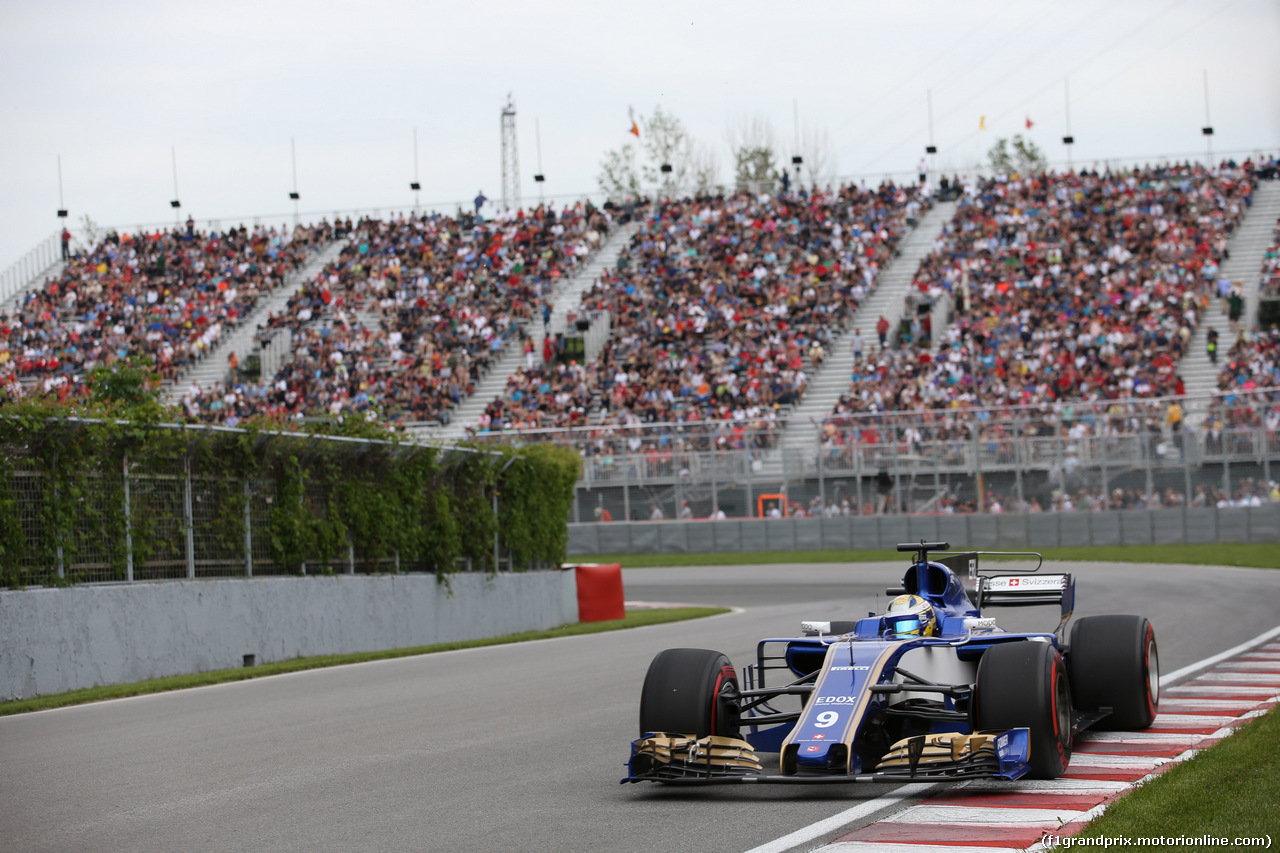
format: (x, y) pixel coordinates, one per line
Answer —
(54, 640)
(991, 532)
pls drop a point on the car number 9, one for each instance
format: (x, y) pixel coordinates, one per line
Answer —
(826, 719)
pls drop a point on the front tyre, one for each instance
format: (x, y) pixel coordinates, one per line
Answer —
(690, 692)
(1024, 685)
(1113, 663)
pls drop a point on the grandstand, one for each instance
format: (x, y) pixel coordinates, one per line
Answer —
(722, 308)
(889, 301)
(165, 296)
(1242, 269)
(565, 299)
(213, 370)
(409, 317)
(693, 346)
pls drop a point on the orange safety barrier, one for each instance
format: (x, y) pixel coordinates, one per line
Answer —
(599, 591)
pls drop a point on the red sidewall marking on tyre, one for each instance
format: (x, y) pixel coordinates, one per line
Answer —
(715, 694)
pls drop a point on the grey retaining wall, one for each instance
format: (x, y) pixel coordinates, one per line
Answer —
(53, 640)
(1008, 531)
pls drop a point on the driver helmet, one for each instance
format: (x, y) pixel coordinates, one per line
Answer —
(910, 616)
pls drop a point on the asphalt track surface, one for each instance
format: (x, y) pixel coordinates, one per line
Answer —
(514, 747)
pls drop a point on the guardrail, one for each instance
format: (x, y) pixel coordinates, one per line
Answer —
(1006, 531)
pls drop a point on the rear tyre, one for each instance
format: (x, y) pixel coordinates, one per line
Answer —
(1024, 684)
(1113, 663)
(690, 692)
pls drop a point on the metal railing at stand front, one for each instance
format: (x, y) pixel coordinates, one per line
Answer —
(28, 269)
(1218, 450)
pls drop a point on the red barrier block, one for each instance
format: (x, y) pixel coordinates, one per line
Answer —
(599, 591)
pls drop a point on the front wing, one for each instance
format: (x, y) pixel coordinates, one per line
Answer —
(675, 758)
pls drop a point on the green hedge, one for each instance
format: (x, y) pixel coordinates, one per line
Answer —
(370, 492)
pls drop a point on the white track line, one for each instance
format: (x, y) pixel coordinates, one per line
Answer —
(1190, 690)
(848, 816)
(837, 821)
(1218, 658)
(985, 816)
(876, 847)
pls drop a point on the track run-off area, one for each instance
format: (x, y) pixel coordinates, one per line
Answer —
(517, 747)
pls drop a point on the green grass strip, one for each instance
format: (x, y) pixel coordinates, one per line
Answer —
(633, 619)
(1255, 555)
(1230, 790)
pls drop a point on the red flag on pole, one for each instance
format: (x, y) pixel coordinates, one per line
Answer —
(1028, 122)
(635, 128)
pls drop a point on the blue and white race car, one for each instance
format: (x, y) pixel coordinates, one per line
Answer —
(932, 689)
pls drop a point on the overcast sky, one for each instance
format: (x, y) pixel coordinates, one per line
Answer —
(115, 88)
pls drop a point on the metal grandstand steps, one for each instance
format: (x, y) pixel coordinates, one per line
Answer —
(566, 297)
(12, 303)
(1247, 246)
(211, 371)
(829, 382)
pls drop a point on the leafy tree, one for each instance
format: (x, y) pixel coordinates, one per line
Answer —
(666, 142)
(755, 150)
(1025, 158)
(129, 389)
(92, 231)
(819, 159)
(619, 176)
(663, 140)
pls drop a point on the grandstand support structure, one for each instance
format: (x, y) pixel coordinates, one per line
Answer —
(1246, 248)
(510, 158)
(828, 383)
(212, 370)
(566, 297)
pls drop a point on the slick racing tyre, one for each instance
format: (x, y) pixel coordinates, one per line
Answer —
(691, 692)
(1024, 684)
(1113, 663)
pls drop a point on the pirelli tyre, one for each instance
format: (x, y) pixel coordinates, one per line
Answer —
(691, 692)
(1113, 663)
(1024, 684)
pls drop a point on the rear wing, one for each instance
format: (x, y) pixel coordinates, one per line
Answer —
(988, 588)
(1024, 590)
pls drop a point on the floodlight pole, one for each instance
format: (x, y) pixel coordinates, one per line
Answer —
(293, 148)
(795, 106)
(537, 136)
(177, 206)
(510, 157)
(932, 149)
(1208, 125)
(1068, 140)
(417, 186)
(62, 212)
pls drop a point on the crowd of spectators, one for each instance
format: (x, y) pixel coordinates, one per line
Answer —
(720, 307)
(404, 323)
(164, 296)
(1065, 288)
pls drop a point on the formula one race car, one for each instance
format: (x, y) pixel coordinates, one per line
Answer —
(932, 689)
